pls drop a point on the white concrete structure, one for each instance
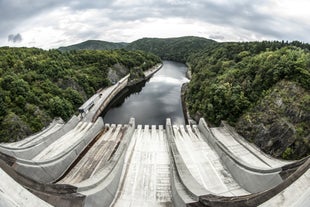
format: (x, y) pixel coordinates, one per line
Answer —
(64, 142)
(97, 156)
(245, 151)
(153, 166)
(204, 163)
(145, 178)
(14, 195)
(296, 195)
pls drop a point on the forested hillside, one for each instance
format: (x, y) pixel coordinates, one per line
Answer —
(94, 45)
(176, 49)
(38, 85)
(238, 82)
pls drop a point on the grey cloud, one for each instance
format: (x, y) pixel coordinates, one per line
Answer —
(13, 13)
(239, 14)
(202, 9)
(217, 37)
(85, 4)
(15, 38)
(243, 14)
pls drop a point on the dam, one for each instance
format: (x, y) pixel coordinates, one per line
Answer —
(91, 162)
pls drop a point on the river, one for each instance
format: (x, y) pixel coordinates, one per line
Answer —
(153, 101)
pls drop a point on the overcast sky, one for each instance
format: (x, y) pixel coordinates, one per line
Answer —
(53, 23)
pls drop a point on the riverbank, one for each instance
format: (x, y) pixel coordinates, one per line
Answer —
(188, 119)
(187, 116)
(147, 74)
(189, 71)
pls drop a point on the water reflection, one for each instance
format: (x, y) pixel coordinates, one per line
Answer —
(153, 101)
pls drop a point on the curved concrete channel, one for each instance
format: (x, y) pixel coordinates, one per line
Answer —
(88, 163)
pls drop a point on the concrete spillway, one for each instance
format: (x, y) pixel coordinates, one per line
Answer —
(245, 151)
(124, 165)
(97, 156)
(204, 164)
(145, 178)
(64, 142)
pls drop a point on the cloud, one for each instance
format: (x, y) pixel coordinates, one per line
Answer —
(54, 23)
(15, 38)
(217, 37)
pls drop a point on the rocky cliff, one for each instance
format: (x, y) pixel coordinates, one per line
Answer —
(280, 122)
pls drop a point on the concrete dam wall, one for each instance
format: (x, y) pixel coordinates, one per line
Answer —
(86, 162)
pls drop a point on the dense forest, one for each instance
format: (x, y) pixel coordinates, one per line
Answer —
(94, 45)
(38, 85)
(176, 49)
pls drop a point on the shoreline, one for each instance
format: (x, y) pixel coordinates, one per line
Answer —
(188, 119)
(147, 75)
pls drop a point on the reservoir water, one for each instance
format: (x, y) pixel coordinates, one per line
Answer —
(153, 101)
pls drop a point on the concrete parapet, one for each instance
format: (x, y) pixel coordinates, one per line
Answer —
(101, 189)
(50, 170)
(191, 186)
(250, 178)
(29, 152)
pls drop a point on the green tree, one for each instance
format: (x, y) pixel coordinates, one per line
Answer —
(60, 107)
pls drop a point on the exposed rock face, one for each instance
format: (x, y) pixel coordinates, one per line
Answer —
(280, 123)
(14, 123)
(117, 72)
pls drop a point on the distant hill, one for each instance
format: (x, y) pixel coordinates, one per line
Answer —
(177, 49)
(94, 45)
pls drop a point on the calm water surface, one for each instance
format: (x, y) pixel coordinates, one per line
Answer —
(153, 101)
